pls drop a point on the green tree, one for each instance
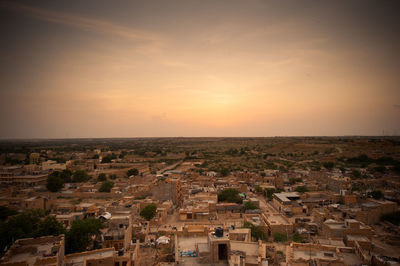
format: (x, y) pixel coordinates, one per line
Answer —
(66, 175)
(19, 226)
(133, 172)
(6, 212)
(297, 238)
(356, 173)
(106, 159)
(301, 189)
(394, 218)
(54, 183)
(224, 171)
(149, 211)
(78, 238)
(106, 186)
(257, 232)
(376, 194)
(328, 165)
(49, 226)
(230, 195)
(80, 176)
(258, 189)
(279, 237)
(268, 192)
(250, 206)
(112, 176)
(102, 177)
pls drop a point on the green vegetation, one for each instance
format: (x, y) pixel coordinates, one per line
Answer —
(56, 180)
(112, 176)
(258, 189)
(6, 212)
(257, 232)
(149, 211)
(102, 177)
(133, 172)
(28, 224)
(65, 175)
(230, 195)
(298, 238)
(80, 176)
(301, 189)
(356, 173)
(106, 186)
(279, 237)
(294, 180)
(250, 206)
(78, 238)
(393, 218)
(54, 183)
(328, 165)
(139, 197)
(49, 226)
(106, 159)
(376, 194)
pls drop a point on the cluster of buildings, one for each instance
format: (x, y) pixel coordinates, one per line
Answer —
(325, 224)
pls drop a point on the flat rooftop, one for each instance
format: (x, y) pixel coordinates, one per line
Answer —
(287, 196)
(314, 254)
(276, 219)
(78, 259)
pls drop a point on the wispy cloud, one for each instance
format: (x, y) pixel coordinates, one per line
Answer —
(91, 24)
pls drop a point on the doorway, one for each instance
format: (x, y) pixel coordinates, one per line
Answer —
(222, 251)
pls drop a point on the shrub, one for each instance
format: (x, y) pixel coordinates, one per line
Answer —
(230, 195)
(279, 237)
(106, 186)
(149, 212)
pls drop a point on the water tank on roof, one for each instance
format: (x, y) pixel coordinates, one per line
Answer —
(219, 232)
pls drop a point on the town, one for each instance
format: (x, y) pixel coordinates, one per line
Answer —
(200, 201)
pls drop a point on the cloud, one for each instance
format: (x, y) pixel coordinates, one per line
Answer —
(91, 24)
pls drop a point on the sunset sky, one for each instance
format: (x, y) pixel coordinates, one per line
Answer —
(199, 68)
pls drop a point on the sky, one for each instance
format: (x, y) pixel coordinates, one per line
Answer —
(77, 69)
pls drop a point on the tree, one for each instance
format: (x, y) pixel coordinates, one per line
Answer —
(133, 172)
(297, 238)
(6, 212)
(258, 189)
(106, 186)
(230, 195)
(250, 206)
(149, 211)
(19, 226)
(268, 192)
(80, 176)
(356, 173)
(328, 165)
(102, 177)
(106, 159)
(258, 232)
(279, 237)
(394, 218)
(49, 226)
(224, 172)
(112, 176)
(301, 189)
(54, 183)
(376, 194)
(78, 238)
(66, 175)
